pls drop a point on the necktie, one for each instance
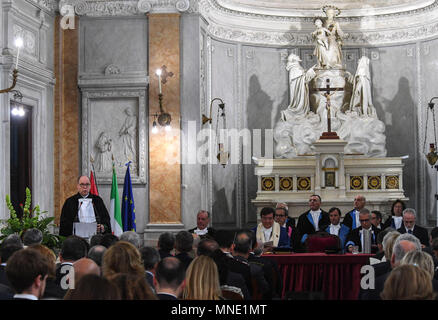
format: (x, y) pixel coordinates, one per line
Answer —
(410, 231)
(366, 241)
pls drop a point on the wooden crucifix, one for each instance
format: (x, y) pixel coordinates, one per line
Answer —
(328, 93)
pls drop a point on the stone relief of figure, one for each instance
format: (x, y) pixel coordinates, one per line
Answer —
(361, 99)
(128, 133)
(103, 146)
(320, 35)
(334, 54)
(299, 88)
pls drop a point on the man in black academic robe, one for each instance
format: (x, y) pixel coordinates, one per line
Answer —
(354, 237)
(351, 218)
(306, 222)
(409, 226)
(202, 229)
(69, 213)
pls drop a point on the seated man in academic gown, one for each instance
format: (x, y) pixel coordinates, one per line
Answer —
(283, 219)
(270, 231)
(357, 237)
(351, 219)
(311, 221)
(84, 207)
(336, 228)
(202, 229)
(409, 226)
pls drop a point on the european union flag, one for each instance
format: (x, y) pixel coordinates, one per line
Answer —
(128, 208)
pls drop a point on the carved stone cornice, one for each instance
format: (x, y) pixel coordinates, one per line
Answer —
(103, 8)
(49, 6)
(285, 30)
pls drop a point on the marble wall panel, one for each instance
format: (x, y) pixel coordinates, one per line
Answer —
(164, 147)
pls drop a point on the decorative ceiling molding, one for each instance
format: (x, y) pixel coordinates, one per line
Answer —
(283, 30)
(103, 8)
(49, 6)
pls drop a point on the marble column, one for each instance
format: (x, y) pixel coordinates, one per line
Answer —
(164, 147)
(66, 115)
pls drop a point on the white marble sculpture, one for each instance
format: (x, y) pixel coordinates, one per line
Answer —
(128, 134)
(103, 146)
(305, 119)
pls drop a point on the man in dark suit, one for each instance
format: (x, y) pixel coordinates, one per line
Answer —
(150, 257)
(27, 271)
(6, 251)
(202, 229)
(72, 206)
(311, 221)
(166, 243)
(183, 245)
(351, 219)
(283, 219)
(356, 237)
(409, 226)
(73, 249)
(169, 278)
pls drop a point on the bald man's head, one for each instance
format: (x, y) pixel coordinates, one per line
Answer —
(85, 266)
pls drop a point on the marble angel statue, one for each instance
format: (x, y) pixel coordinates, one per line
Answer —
(299, 88)
(334, 53)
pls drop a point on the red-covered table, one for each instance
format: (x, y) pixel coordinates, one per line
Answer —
(337, 275)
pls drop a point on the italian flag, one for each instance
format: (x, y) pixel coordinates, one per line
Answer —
(115, 213)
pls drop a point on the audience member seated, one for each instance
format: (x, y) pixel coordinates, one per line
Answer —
(52, 291)
(240, 250)
(73, 249)
(27, 271)
(229, 281)
(93, 287)
(409, 226)
(169, 278)
(270, 268)
(150, 257)
(380, 254)
(202, 229)
(351, 219)
(166, 243)
(32, 236)
(225, 238)
(388, 245)
(131, 237)
(108, 240)
(96, 254)
(269, 232)
(282, 218)
(132, 287)
(420, 259)
(403, 244)
(311, 221)
(395, 221)
(122, 257)
(83, 267)
(202, 280)
(96, 240)
(356, 237)
(7, 249)
(408, 282)
(336, 228)
(184, 245)
(376, 219)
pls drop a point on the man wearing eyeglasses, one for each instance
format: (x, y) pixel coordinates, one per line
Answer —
(364, 236)
(84, 207)
(282, 218)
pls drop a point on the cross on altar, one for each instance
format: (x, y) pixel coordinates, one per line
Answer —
(329, 134)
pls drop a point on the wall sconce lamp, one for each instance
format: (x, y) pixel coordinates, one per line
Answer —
(18, 44)
(432, 156)
(17, 110)
(205, 119)
(163, 117)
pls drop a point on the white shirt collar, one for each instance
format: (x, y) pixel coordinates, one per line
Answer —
(25, 296)
(169, 294)
(267, 233)
(200, 232)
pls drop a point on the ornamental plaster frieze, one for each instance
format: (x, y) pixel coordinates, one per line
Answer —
(400, 27)
(99, 8)
(49, 6)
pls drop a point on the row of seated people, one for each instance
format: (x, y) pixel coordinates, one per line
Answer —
(279, 230)
(180, 267)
